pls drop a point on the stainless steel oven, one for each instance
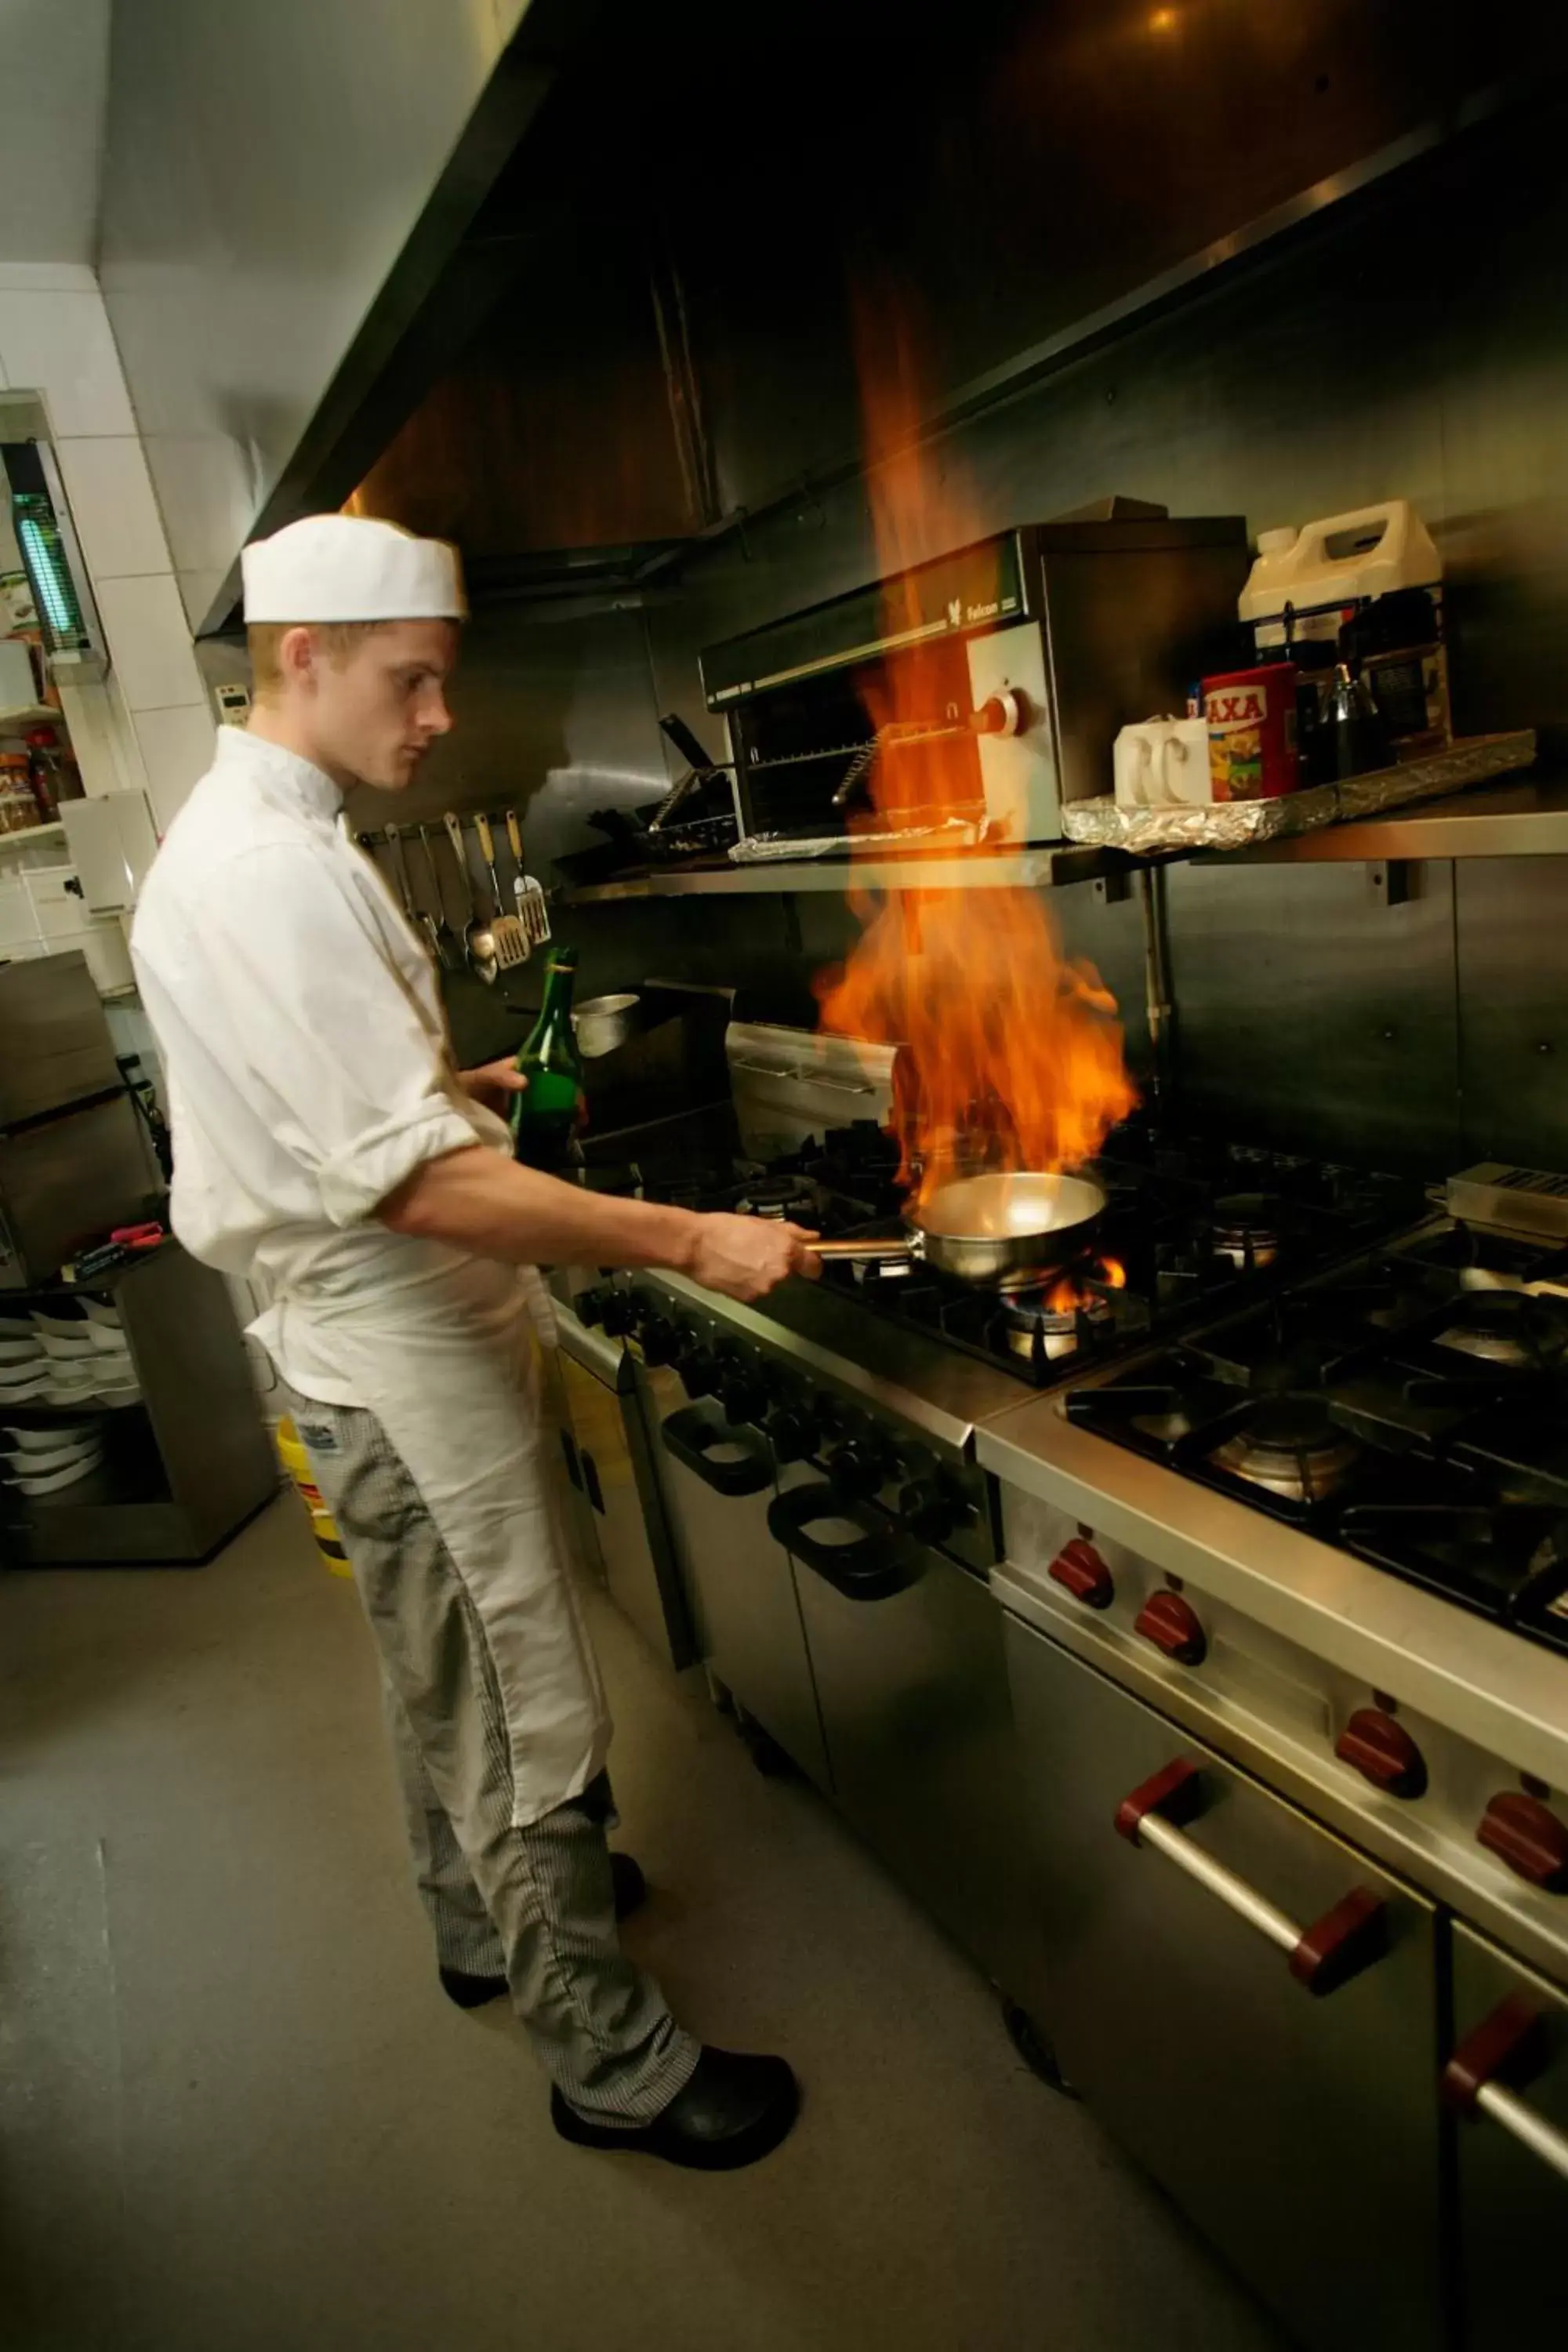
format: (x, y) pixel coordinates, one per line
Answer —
(614, 1492)
(718, 1482)
(1506, 2085)
(1250, 2003)
(906, 1646)
(837, 1553)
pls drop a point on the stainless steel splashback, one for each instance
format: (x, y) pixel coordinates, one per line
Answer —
(788, 1084)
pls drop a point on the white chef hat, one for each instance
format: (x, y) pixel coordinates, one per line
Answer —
(338, 567)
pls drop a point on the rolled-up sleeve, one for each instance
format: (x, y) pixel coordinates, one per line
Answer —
(337, 1057)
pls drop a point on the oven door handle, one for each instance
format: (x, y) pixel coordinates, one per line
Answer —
(870, 1566)
(1346, 1940)
(688, 1434)
(1508, 2049)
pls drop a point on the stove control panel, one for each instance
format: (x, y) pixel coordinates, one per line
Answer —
(743, 1388)
(1529, 1838)
(1382, 1752)
(861, 1466)
(1174, 1626)
(935, 1507)
(867, 1453)
(1375, 1768)
(1078, 1569)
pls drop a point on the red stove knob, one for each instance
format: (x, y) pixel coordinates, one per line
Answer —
(1079, 1567)
(1529, 1838)
(1382, 1752)
(1172, 1625)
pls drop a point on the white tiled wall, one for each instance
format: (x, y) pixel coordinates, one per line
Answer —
(149, 724)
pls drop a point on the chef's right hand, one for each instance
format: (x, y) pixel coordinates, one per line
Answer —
(745, 1257)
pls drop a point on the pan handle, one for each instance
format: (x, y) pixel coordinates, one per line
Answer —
(866, 1251)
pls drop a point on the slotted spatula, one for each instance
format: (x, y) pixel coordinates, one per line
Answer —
(532, 908)
(508, 940)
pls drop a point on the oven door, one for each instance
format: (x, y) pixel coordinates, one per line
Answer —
(1249, 2003)
(911, 1675)
(1507, 2084)
(717, 1484)
(613, 1487)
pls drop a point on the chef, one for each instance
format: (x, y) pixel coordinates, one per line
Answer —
(326, 1147)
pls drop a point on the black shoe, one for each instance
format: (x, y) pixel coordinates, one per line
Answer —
(734, 2110)
(631, 1894)
(470, 1992)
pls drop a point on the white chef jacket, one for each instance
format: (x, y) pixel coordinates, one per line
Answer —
(306, 1053)
(309, 1074)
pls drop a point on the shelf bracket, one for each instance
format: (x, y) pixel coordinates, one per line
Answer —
(1394, 881)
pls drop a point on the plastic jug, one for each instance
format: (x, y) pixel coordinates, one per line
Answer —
(1324, 571)
(1364, 587)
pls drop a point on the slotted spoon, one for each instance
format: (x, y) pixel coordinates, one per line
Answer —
(478, 944)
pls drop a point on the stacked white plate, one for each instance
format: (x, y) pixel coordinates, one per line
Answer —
(46, 1461)
(24, 1366)
(87, 1359)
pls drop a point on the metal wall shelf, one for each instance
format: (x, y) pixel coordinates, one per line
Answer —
(1050, 866)
(1515, 819)
(1525, 819)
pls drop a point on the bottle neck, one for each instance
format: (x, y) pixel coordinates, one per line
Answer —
(560, 980)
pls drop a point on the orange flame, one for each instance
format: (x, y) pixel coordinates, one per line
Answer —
(1066, 1296)
(1013, 1057)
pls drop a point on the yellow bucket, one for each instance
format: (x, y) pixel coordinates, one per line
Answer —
(297, 1462)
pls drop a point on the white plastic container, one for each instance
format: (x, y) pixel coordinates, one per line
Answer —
(1328, 568)
(1162, 763)
(1307, 586)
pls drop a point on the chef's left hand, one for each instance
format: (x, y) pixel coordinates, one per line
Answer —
(494, 1085)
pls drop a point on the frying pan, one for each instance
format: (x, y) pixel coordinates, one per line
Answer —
(982, 1228)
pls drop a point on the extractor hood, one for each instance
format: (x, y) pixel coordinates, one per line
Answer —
(626, 317)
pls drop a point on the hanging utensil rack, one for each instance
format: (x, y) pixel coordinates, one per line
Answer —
(521, 894)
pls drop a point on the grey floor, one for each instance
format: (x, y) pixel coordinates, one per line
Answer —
(236, 2116)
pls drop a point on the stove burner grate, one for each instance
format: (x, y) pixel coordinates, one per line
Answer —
(1506, 1327)
(1246, 1231)
(784, 1198)
(1290, 1446)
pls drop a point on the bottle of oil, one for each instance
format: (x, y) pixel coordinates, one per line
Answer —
(544, 1117)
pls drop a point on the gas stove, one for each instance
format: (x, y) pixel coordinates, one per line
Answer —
(1192, 1226)
(1411, 1407)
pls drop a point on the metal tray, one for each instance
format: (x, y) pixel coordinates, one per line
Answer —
(1242, 824)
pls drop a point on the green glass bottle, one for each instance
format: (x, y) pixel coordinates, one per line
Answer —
(544, 1117)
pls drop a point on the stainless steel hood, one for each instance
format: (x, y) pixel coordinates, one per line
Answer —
(732, 201)
(574, 284)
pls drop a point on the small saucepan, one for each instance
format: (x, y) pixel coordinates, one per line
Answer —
(983, 1228)
(600, 1023)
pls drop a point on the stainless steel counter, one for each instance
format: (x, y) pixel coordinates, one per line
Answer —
(1494, 1688)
